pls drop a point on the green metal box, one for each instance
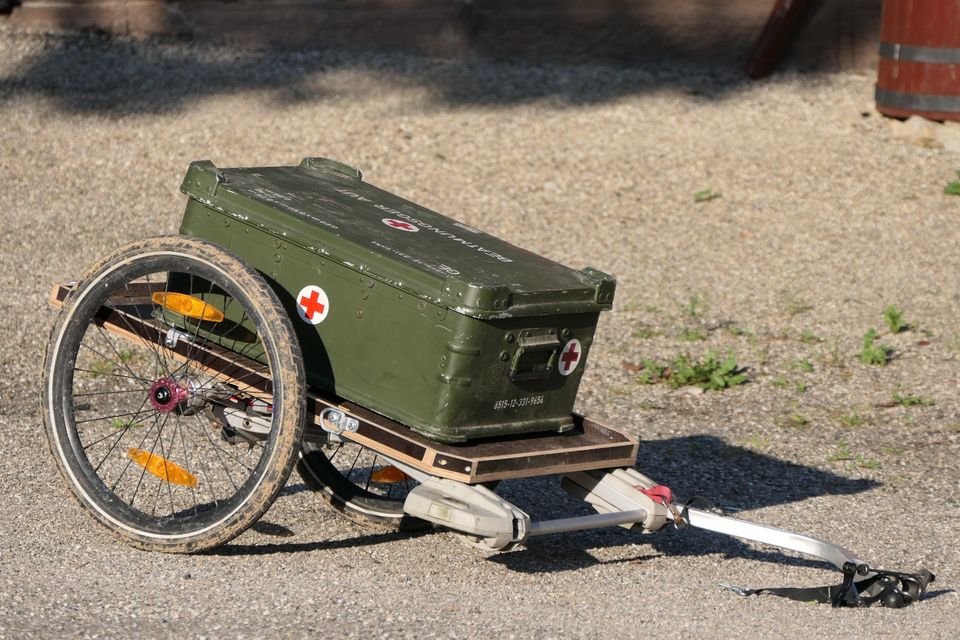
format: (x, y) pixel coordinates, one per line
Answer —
(430, 322)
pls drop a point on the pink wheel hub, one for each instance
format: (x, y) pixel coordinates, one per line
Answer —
(166, 394)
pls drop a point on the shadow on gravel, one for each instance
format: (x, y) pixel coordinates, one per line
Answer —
(627, 45)
(733, 478)
(232, 549)
(94, 74)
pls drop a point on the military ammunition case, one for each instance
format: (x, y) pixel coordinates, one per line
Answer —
(446, 329)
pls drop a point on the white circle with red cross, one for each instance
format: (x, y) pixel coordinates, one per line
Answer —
(313, 304)
(570, 357)
(400, 225)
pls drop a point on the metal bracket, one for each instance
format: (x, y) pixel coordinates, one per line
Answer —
(341, 422)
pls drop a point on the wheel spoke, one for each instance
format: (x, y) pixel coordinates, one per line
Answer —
(106, 393)
(123, 431)
(217, 450)
(119, 397)
(111, 375)
(136, 489)
(373, 465)
(129, 461)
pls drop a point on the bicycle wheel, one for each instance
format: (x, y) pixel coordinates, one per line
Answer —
(355, 480)
(130, 421)
(359, 481)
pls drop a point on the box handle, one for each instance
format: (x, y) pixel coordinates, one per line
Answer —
(536, 356)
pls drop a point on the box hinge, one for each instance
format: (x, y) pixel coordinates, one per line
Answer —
(332, 166)
(603, 284)
(202, 179)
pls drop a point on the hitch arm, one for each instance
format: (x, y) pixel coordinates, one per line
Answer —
(862, 586)
(832, 553)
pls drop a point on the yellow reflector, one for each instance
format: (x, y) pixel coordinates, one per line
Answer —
(188, 306)
(388, 475)
(162, 468)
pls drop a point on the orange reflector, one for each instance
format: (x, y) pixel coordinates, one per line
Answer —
(162, 468)
(188, 306)
(388, 475)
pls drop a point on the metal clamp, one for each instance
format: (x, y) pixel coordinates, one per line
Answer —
(341, 422)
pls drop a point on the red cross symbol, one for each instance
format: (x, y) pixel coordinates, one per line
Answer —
(400, 224)
(570, 357)
(313, 305)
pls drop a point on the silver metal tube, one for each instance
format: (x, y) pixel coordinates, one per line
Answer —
(596, 521)
(782, 538)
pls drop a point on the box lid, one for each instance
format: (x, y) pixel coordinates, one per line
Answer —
(327, 208)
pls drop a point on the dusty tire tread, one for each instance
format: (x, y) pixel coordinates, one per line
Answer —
(289, 363)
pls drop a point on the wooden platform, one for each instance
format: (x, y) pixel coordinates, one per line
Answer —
(587, 446)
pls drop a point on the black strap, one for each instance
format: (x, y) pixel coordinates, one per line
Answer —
(888, 588)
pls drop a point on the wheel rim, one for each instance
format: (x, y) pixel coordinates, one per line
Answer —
(135, 421)
(347, 474)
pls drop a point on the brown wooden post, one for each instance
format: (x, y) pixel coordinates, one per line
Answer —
(774, 38)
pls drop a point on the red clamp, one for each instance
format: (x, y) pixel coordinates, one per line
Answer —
(659, 493)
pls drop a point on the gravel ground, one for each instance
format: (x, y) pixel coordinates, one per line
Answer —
(823, 220)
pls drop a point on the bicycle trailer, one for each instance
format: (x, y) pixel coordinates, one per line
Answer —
(402, 361)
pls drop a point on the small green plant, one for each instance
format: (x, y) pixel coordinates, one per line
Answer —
(893, 450)
(797, 420)
(800, 387)
(953, 187)
(803, 365)
(652, 308)
(100, 368)
(873, 353)
(796, 307)
(617, 390)
(833, 356)
(694, 308)
(651, 372)
(842, 452)
(121, 423)
(705, 195)
(780, 382)
(645, 333)
(808, 337)
(895, 320)
(853, 419)
(912, 401)
(711, 373)
(759, 442)
(734, 330)
(630, 306)
(692, 335)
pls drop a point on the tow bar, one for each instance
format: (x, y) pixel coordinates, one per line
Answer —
(625, 497)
